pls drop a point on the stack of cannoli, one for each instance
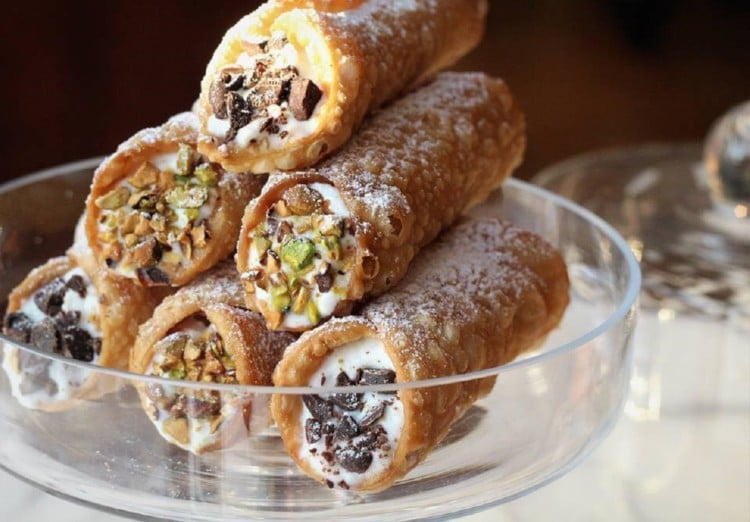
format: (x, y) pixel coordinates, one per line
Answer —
(302, 226)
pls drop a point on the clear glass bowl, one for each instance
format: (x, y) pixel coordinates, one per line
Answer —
(545, 413)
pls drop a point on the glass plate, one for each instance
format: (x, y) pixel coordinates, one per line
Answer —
(545, 413)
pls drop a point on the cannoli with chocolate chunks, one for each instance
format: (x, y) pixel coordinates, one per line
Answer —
(291, 81)
(480, 295)
(314, 243)
(70, 307)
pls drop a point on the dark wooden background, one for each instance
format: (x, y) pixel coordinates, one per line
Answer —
(78, 77)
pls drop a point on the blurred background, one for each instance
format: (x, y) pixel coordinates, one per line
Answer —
(81, 76)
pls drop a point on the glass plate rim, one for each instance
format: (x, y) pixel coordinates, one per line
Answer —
(626, 304)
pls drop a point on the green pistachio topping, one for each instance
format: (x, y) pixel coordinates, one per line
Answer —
(280, 298)
(114, 199)
(207, 175)
(182, 197)
(313, 314)
(298, 253)
(185, 160)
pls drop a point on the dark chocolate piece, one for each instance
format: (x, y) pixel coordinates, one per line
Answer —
(17, 326)
(68, 318)
(313, 430)
(354, 460)
(346, 401)
(320, 409)
(77, 284)
(342, 379)
(304, 95)
(376, 376)
(325, 280)
(239, 112)
(372, 414)
(44, 336)
(198, 408)
(79, 343)
(347, 428)
(217, 96)
(152, 276)
(50, 297)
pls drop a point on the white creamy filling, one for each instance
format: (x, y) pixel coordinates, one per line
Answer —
(326, 302)
(67, 378)
(287, 56)
(165, 161)
(200, 432)
(364, 353)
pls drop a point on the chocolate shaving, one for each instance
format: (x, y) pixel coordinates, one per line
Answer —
(17, 326)
(318, 408)
(304, 95)
(44, 336)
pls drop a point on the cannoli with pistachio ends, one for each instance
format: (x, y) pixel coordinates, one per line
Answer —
(484, 292)
(70, 307)
(316, 242)
(201, 333)
(289, 82)
(159, 212)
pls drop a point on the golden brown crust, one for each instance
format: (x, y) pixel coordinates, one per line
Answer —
(481, 294)
(410, 171)
(411, 42)
(234, 192)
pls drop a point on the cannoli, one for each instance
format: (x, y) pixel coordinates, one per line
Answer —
(159, 212)
(314, 243)
(484, 292)
(70, 307)
(202, 334)
(289, 82)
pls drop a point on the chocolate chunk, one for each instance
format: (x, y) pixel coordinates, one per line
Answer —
(371, 439)
(376, 376)
(342, 379)
(44, 336)
(328, 456)
(313, 430)
(354, 460)
(347, 401)
(217, 98)
(199, 409)
(77, 284)
(67, 318)
(35, 374)
(304, 95)
(50, 297)
(372, 414)
(17, 326)
(78, 343)
(269, 126)
(347, 428)
(325, 280)
(152, 276)
(343, 485)
(236, 83)
(320, 409)
(240, 113)
(111, 263)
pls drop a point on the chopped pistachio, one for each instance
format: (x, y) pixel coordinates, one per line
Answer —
(333, 245)
(181, 197)
(281, 209)
(143, 200)
(185, 159)
(312, 312)
(130, 240)
(182, 180)
(300, 300)
(129, 222)
(166, 180)
(261, 244)
(107, 237)
(146, 175)
(192, 351)
(143, 225)
(280, 299)
(302, 200)
(178, 373)
(177, 428)
(109, 220)
(158, 223)
(113, 199)
(207, 175)
(298, 253)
